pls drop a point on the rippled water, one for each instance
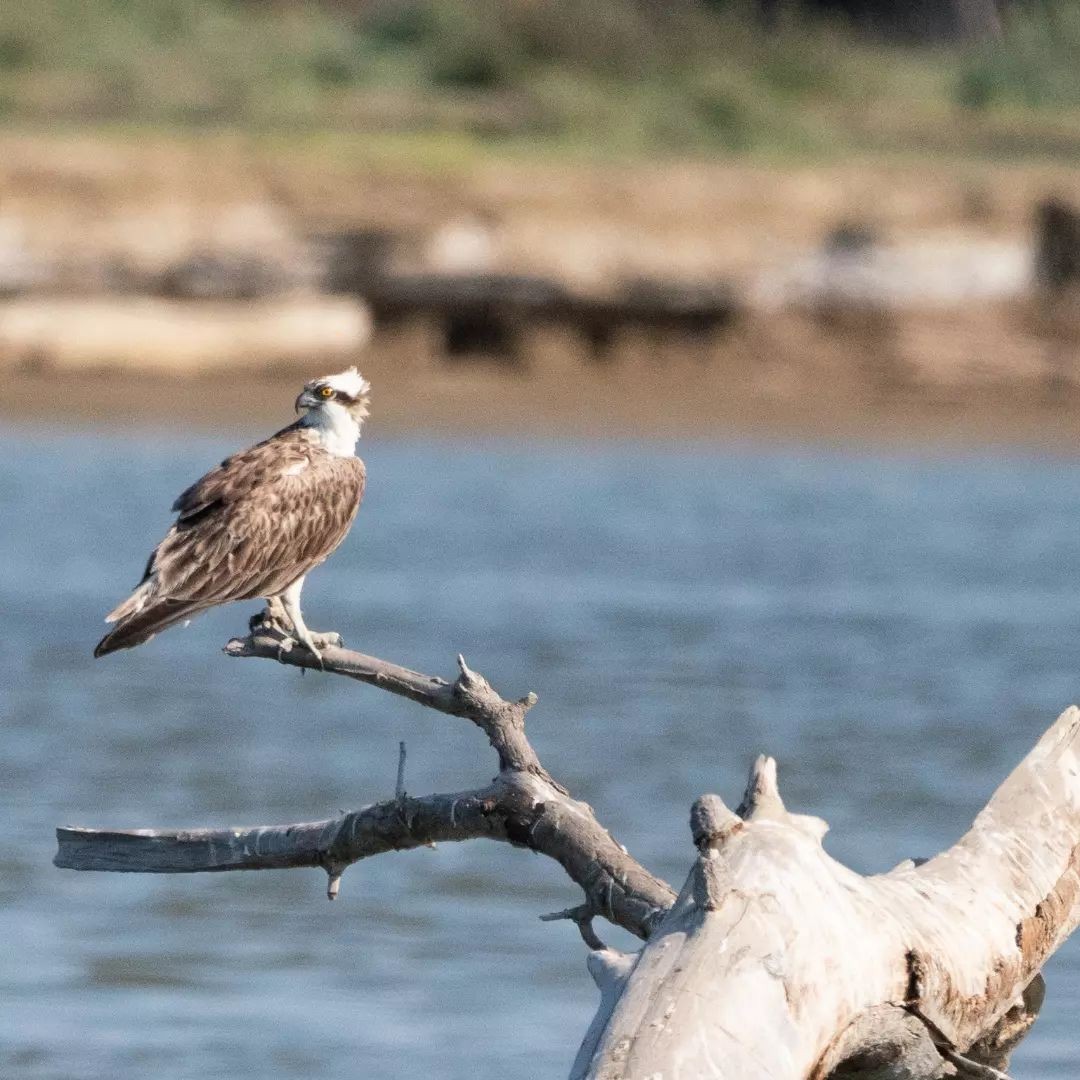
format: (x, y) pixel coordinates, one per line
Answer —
(898, 631)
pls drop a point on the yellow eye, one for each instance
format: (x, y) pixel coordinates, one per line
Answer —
(326, 392)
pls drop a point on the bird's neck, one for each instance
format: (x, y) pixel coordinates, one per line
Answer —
(332, 428)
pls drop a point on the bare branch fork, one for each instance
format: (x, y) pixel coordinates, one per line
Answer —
(774, 960)
(523, 805)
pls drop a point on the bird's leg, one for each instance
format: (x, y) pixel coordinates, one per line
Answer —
(290, 601)
(274, 616)
(274, 619)
(276, 610)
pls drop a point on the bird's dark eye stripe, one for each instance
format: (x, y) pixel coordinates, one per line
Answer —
(334, 395)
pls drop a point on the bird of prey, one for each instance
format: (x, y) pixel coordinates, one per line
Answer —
(254, 526)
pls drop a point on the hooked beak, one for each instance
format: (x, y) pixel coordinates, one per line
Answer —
(306, 400)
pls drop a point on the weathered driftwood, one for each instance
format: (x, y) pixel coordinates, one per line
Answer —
(774, 961)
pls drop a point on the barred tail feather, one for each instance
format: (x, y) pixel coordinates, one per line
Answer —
(137, 624)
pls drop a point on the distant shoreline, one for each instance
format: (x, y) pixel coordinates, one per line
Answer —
(973, 371)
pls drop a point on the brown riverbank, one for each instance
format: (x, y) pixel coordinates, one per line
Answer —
(85, 206)
(951, 348)
(786, 381)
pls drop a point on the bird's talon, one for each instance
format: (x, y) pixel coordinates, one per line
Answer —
(313, 643)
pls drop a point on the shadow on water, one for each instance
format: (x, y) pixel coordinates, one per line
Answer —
(897, 630)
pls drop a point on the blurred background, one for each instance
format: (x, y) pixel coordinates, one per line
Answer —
(725, 365)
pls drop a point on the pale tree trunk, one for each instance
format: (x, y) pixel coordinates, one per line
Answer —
(774, 961)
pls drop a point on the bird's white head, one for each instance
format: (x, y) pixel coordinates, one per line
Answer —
(335, 406)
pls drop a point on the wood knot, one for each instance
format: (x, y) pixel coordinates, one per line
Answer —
(916, 977)
(711, 822)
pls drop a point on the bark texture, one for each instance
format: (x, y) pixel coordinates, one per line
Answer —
(774, 961)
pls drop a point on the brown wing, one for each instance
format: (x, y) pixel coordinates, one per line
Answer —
(238, 474)
(249, 528)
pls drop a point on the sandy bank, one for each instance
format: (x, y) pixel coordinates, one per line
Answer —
(953, 349)
(75, 201)
(790, 379)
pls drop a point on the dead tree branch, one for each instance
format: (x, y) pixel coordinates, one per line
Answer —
(471, 696)
(774, 960)
(523, 805)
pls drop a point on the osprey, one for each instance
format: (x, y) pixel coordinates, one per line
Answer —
(254, 526)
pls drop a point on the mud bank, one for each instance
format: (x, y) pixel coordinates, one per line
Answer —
(789, 379)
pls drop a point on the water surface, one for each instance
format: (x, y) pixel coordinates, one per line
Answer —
(897, 631)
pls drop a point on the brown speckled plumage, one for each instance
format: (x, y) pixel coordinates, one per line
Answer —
(248, 529)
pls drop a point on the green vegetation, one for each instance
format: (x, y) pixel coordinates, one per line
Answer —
(1037, 66)
(602, 77)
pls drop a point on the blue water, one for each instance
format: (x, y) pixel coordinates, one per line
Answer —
(896, 630)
